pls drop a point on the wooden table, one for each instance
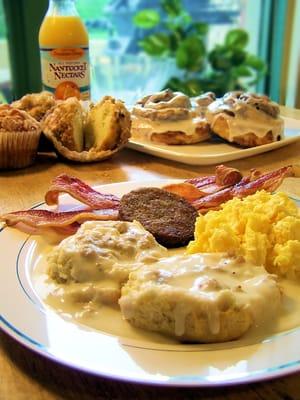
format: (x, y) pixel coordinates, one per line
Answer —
(27, 376)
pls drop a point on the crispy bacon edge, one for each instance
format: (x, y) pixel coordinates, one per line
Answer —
(195, 188)
(80, 191)
(269, 182)
(65, 223)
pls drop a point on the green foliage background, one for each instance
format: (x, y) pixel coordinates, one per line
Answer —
(89, 10)
(175, 34)
(2, 22)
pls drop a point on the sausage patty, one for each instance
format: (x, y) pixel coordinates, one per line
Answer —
(169, 217)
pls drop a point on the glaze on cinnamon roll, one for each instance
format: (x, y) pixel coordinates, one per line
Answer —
(247, 119)
(202, 102)
(168, 117)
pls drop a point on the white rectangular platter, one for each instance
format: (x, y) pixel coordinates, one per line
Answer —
(214, 151)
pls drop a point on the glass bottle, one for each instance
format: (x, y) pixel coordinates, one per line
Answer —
(64, 51)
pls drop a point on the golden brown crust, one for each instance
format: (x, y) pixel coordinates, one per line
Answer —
(124, 124)
(59, 128)
(202, 132)
(250, 139)
(14, 120)
(64, 122)
(168, 117)
(36, 104)
(108, 125)
(19, 138)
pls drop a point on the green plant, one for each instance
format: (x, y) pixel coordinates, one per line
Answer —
(228, 66)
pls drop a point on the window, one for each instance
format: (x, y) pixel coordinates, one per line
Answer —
(5, 78)
(121, 69)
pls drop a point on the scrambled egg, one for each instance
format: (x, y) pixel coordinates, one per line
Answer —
(264, 228)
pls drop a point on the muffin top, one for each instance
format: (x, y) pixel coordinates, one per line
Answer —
(36, 104)
(14, 120)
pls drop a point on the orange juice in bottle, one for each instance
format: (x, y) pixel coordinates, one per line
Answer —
(64, 51)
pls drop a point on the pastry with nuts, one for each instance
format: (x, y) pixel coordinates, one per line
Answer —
(168, 117)
(19, 138)
(247, 119)
(88, 134)
(36, 104)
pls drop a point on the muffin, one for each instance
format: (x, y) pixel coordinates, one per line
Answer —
(87, 133)
(36, 104)
(168, 117)
(65, 123)
(19, 138)
(108, 125)
(247, 119)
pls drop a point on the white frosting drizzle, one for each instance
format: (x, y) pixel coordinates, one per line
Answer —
(246, 119)
(145, 127)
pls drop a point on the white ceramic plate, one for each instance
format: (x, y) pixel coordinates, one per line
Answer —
(214, 151)
(27, 319)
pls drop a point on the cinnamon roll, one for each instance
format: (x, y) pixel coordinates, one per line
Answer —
(247, 119)
(168, 117)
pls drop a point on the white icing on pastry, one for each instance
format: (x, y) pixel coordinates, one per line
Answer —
(166, 111)
(243, 118)
(145, 127)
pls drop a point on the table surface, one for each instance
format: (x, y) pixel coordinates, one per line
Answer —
(26, 375)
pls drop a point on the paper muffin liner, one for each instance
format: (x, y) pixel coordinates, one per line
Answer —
(18, 149)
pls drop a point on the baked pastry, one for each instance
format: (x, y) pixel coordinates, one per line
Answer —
(65, 124)
(168, 117)
(19, 138)
(247, 119)
(200, 298)
(88, 134)
(202, 101)
(100, 256)
(36, 104)
(108, 124)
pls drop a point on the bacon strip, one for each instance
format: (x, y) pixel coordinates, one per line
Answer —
(227, 176)
(64, 222)
(224, 176)
(80, 191)
(195, 188)
(269, 182)
(202, 181)
(213, 201)
(186, 190)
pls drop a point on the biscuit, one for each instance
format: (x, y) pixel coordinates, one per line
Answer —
(200, 298)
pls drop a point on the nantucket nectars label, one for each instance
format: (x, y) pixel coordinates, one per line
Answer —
(65, 72)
